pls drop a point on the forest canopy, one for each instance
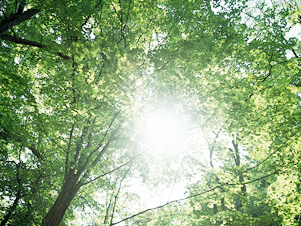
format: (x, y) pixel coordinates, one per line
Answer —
(198, 96)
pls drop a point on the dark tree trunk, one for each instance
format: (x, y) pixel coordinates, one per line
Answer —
(11, 209)
(215, 209)
(69, 190)
(16, 201)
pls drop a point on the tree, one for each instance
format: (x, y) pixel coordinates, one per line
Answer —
(77, 75)
(254, 94)
(77, 93)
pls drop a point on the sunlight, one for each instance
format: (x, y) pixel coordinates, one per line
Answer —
(161, 128)
(163, 132)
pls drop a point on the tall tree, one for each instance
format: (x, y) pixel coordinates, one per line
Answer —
(77, 75)
(79, 61)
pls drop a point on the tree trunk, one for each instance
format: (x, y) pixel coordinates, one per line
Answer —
(240, 176)
(69, 190)
(215, 207)
(12, 209)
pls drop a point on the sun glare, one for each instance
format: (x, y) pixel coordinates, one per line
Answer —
(162, 130)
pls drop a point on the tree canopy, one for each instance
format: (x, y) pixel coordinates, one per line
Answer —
(96, 95)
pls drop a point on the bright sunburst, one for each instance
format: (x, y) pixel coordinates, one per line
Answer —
(163, 131)
(161, 128)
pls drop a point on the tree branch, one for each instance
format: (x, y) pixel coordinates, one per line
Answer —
(108, 142)
(36, 152)
(21, 7)
(88, 17)
(99, 155)
(4, 135)
(116, 196)
(68, 149)
(270, 155)
(196, 195)
(96, 178)
(295, 53)
(268, 75)
(15, 19)
(30, 43)
(21, 41)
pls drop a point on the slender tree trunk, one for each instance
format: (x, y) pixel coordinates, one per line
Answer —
(11, 209)
(16, 201)
(240, 175)
(215, 207)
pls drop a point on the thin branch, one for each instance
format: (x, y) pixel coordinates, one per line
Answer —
(295, 53)
(71, 135)
(101, 143)
(268, 75)
(212, 148)
(270, 70)
(65, 57)
(30, 43)
(160, 68)
(79, 144)
(116, 196)
(119, 17)
(100, 154)
(21, 7)
(107, 210)
(127, 16)
(16, 138)
(249, 15)
(115, 169)
(139, 39)
(47, 135)
(87, 19)
(36, 152)
(270, 155)
(21, 61)
(196, 195)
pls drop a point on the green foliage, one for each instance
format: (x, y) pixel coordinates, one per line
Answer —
(77, 79)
